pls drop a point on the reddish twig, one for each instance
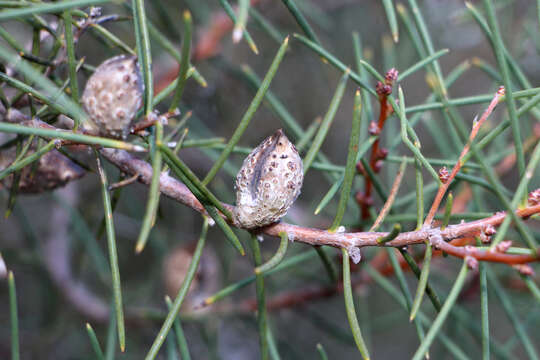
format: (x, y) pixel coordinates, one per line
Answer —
(151, 120)
(390, 200)
(503, 167)
(130, 180)
(447, 180)
(209, 42)
(377, 154)
(483, 255)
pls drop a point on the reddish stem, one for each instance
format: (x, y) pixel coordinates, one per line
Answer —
(445, 184)
(385, 111)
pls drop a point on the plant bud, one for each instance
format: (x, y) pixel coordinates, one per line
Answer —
(112, 96)
(51, 171)
(268, 182)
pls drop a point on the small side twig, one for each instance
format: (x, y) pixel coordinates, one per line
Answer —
(130, 180)
(447, 180)
(390, 201)
(377, 153)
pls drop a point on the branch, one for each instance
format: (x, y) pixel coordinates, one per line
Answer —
(175, 190)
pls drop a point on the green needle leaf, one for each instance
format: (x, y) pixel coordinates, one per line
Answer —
(442, 315)
(184, 62)
(301, 20)
(68, 135)
(484, 306)
(322, 352)
(421, 282)
(48, 8)
(180, 338)
(285, 264)
(152, 203)
(244, 122)
(327, 121)
(229, 11)
(498, 47)
(94, 342)
(349, 306)
(186, 171)
(261, 299)
(447, 211)
(350, 167)
(278, 256)
(15, 352)
(390, 236)
(113, 255)
(173, 313)
(392, 20)
(411, 70)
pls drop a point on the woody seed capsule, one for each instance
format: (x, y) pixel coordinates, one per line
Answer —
(112, 96)
(268, 182)
(51, 171)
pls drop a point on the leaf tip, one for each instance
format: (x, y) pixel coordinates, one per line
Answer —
(237, 34)
(254, 48)
(187, 15)
(139, 248)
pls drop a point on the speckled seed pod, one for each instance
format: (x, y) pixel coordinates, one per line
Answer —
(112, 96)
(268, 182)
(51, 171)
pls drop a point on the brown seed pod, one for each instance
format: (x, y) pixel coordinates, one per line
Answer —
(268, 182)
(112, 96)
(206, 280)
(51, 171)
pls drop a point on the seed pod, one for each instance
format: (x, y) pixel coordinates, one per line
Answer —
(51, 171)
(268, 182)
(112, 96)
(206, 281)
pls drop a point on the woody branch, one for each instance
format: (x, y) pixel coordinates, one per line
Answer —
(176, 190)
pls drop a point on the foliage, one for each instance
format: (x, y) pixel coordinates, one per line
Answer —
(419, 197)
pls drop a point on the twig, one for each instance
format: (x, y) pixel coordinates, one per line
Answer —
(130, 180)
(446, 183)
(393, 192)
(484, 255)
(209, 43)
(377, 154)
